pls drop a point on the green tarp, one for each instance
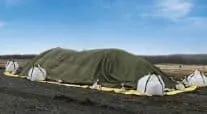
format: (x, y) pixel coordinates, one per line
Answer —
(111, 66)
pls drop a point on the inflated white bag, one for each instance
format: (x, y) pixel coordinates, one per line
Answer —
(37, 73)
(197, 79)
(11, 67)
(151, 85)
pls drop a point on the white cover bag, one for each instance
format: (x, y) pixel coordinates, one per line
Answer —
(151, 84)
(197, 79)
(11, 67)
(37, 73)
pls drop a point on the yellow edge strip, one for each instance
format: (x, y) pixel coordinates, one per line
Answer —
(116, 90)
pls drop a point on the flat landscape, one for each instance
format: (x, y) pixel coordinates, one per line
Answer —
(178, 71)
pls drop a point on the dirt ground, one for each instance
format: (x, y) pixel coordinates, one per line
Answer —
(20, 96)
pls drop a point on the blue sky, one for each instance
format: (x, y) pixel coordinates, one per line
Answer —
(148, 27)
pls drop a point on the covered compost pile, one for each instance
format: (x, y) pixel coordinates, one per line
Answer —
(110, 66)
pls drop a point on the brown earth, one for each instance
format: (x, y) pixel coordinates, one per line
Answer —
(20, 96)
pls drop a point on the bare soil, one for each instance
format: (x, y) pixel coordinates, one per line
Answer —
(20, 96)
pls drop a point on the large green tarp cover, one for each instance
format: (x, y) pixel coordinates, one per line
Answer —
(110, 66)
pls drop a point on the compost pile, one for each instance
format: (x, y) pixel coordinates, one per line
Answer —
(111, 66)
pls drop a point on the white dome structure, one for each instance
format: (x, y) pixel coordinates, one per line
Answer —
(37, 73)
(197, 79)
(11, 67)
(151, 84)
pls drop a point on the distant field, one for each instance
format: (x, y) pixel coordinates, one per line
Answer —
(20, 61)
(179, 71)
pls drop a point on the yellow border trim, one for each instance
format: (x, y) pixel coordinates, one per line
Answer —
(107, 89)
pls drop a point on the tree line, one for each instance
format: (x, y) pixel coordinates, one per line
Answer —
(31, 56)
(178, 59)
(199, 59)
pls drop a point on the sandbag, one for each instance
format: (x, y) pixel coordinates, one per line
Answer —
(151, 84)
(37, 73)
(197, 79)
(11, 67)
(96, 85)
(180, 86)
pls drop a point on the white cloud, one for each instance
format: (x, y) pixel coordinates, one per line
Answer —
(178, 11)
(174, 9)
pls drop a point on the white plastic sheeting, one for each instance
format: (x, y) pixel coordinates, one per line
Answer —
(196, 79)
(151, 84)
(11, 67)
(37, 73)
